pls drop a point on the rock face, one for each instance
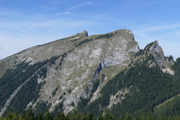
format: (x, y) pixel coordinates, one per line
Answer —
(157, 53)
(82, 59)
(159, 57)
(64, 71)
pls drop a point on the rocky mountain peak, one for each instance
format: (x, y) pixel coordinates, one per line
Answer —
(68, 71)
(157, 53)
(84, 33)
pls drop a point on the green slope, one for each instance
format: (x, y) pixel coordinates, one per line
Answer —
(171, 107)
(148, 87)
(3, 68)
(23, 74)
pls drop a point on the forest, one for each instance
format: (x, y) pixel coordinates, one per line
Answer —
(149, 88)
(75, 115)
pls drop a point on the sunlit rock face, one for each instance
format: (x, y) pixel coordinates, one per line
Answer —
(78, 61)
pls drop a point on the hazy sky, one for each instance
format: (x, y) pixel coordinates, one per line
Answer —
(26, 23)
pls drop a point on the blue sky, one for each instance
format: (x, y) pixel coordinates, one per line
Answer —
(25, 23)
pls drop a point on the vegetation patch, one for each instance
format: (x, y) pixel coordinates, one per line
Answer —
(108, 35)
(62, 59)
(75, 115)
(54, 92)
(74, 40)
(140, 53)
(170, 108)
(69, 91)
(176, 68)
(72, 104)
(3, 68)
(83, 42)
(149, 87)
(95, 86)
(57, 109)
(41, 108)
(53, 59)
(148, 46)
(13, 78)
(84, 101)
(103, 78)
(70, 50)
(25, 96)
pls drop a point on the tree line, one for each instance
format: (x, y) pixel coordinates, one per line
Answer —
(75, 115)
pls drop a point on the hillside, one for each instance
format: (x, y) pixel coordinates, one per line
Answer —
(91, 74)
(141, 87)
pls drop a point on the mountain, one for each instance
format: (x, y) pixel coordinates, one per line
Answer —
(90, 74)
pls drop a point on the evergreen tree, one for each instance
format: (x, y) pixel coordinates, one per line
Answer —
(142, 117)
(40, 116)
(30, 114)
(75, 115)
(127, 117)
(12, 116)
(162, 118)
(23, 116)
(109, 116)
(48, 115)
(84, 117)
(100, 117)
(60, 116)
(66, 117)
(121, 117)
(150, 116)
(90, 116)
(136, 118)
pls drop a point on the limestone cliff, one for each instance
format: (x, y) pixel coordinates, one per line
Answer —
(160, 59)
(157, 53)
(62, 73)
(65, 70)
(78, 61)
(90, 73)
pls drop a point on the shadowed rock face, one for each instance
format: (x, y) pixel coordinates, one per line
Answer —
(85, 33)
(158, 53)
(80, 61)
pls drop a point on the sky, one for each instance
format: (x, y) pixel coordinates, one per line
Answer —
(26, 23)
